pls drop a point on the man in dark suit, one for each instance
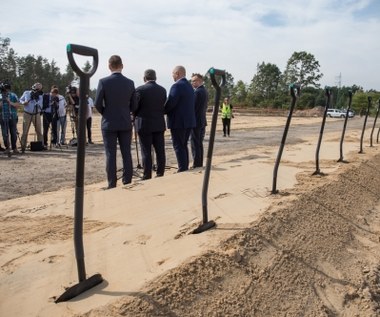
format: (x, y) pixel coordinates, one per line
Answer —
(150, 123)
(198, 133)
(179, 108)
(115, 100)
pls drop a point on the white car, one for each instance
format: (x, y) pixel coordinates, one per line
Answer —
(336, 113)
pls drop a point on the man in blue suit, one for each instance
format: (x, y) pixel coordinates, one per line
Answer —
(198, 133)
(150, 123)
(179, 108)
(115, 100)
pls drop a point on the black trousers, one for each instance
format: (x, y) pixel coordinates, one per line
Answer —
(110, 139)
(46, 121)
(196, 139)
(89, 125)
(226, 126)
(157, 140)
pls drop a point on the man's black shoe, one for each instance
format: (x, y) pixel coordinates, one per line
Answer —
(109, 187)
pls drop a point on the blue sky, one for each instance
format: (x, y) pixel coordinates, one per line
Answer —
(234, 35)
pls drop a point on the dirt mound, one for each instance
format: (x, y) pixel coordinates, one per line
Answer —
(315, 255)
(314, 112)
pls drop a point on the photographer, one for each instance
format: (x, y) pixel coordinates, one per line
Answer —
(61, 119)
(50, 115)
(32, 102)
(9, 104)
(72, 98)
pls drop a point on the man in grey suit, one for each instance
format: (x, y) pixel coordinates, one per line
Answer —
(150, 123)
(115, 100)
(180, 111)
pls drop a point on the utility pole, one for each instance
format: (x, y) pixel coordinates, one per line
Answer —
(338, 83)
(338, 80)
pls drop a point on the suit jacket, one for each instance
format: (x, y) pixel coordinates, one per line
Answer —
(149, 112)
(115, 100)
(201, 100)
(179, 106)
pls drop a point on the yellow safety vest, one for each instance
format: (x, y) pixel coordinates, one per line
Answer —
(226, 111)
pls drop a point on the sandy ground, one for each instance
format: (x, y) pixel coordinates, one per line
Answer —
(310, 250)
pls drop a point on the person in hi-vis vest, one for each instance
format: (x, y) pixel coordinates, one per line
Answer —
(227, 114)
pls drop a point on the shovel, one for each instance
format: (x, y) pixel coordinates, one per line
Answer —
(364, 124)
(84, 284)
(374, 124)
(328, 98)
(295, 90)
(344, 128)
(206, 224)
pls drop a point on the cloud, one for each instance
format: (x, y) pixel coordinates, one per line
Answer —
(232, 35)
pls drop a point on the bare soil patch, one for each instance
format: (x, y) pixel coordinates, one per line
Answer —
(314, 255)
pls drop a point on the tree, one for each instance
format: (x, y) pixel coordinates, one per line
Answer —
(6, 66)
(264, 85)
(239, 93)
(302, 68)
(308, 98)
(360, 102)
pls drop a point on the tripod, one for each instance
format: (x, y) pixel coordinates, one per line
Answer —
(26, 128)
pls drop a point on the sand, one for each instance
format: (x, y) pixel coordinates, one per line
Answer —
(310, 250)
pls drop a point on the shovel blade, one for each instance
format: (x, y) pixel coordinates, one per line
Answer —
(205, 226)
(80, 288)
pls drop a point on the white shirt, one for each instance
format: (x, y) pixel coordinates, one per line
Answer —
(90, 105)
(61, 106)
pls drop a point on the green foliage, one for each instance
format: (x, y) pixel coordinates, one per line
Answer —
(265, 83)
(24, 71)
(227, 90)
(302, 68)
(268, 87)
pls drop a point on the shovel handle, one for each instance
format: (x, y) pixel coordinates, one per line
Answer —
(217, 72)
(85, 51)
(295, 90)
(327, 91)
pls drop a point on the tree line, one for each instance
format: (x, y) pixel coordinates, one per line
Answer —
(267, 89)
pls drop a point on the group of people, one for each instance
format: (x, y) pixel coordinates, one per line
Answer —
(45, 111)
(122, 106)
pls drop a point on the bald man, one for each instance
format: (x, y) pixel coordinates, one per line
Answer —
(180, 111)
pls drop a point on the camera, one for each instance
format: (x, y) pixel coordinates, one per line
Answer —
(71, 90)
(4, 87)
(35, 94)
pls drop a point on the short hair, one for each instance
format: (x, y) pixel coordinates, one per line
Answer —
(54, 90)
(199, 76)
(150, 74)
(115, 61)
(180, 70)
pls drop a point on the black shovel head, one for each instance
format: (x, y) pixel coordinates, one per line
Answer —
(80, 288)
(204, 226)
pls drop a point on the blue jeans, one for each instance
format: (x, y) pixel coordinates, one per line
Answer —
(9, 128)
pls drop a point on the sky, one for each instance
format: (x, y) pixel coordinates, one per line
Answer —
(234, 35)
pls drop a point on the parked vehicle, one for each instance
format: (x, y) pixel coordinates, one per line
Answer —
(336, 113)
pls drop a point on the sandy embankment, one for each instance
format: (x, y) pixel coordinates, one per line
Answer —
(135, 234)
